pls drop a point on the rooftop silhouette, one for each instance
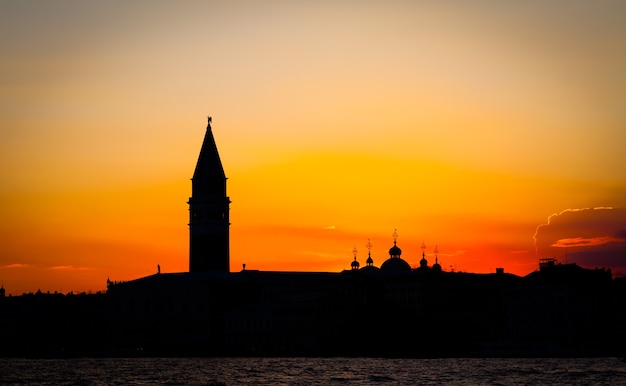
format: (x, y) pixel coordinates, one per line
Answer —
(391, 310)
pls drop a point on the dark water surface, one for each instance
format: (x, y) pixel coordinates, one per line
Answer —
(312, 371)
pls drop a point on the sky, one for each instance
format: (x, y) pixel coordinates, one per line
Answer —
(494, 131)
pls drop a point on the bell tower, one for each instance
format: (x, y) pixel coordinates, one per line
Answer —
(209, 225)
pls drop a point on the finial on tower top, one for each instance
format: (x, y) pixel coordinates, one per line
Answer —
(354, 251)
(209, 118)
(395, 235)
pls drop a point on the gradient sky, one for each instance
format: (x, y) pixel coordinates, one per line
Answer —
(495, 130)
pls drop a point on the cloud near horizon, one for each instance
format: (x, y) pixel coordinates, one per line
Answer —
(590, 237)
(586, 241)
(69, 268)
(16, 265)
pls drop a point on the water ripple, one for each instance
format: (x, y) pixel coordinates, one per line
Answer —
(312, 371)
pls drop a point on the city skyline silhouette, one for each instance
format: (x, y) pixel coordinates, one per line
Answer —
(493, 132)
(379, 309)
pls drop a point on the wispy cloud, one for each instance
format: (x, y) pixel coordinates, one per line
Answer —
(69, 268)
(458, 252)
(15, 265)
(314, 253)
(585, 241)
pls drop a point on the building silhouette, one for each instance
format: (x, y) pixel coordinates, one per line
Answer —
(209, 225)
(393, 310)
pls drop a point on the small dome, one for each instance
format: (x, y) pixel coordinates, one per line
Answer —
(395, 265)
(436, 266)
(395, 251)
(369, 265)
(423, 262)
(355, 264)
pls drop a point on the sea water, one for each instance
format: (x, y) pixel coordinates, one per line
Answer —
(313, 371)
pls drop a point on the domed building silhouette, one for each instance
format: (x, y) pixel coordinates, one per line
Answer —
(395, 264)
(423, 262)
(369, 263)
(355, 264)
(211, 310)
(436, 266)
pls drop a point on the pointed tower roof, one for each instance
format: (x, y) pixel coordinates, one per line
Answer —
(209, 163)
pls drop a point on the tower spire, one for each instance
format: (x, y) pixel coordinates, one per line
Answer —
(209, 224)
(209, 165)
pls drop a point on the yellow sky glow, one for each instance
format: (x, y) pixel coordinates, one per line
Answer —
(461, 125)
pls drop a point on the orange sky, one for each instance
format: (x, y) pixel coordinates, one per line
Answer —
(471, 126)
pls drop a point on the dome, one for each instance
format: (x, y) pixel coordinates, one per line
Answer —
(395, 251)
(395, 265)
(355, 264)
(437, 266)
(423, 262)
(369, 265)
